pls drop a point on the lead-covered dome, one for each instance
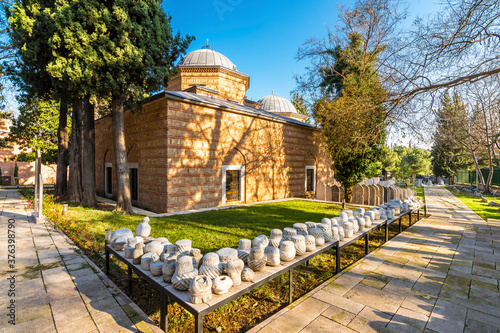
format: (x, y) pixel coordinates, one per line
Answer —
(206, 57)
(275, 103)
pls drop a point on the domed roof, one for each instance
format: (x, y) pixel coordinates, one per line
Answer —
(206, 57)
(275, 103)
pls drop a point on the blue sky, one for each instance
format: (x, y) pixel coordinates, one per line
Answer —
(262, 37)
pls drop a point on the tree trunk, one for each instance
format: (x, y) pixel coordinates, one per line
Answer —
(478, 171)
(348, 194)
(123, 201)
(89, 196)
(75, 162)
(62, 151)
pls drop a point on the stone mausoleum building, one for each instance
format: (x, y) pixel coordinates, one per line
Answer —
(201, 143)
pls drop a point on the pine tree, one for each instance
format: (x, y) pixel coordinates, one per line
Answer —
(448, 150)
(90, 50)
(351, 114)
(300, 104)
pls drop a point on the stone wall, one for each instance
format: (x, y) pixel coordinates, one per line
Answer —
(27, 172)
(180, 148)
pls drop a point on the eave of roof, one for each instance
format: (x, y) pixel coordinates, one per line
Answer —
(204, 100)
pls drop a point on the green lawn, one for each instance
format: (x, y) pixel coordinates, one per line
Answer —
(420, 192)
(210, 231)
(480, 208)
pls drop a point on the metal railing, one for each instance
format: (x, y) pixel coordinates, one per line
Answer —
(168, 293)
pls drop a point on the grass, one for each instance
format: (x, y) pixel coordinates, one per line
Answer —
(210, 231)
(480, 208)
(420, 192)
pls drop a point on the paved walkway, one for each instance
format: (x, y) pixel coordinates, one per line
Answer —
(441, 275)
(56, 288)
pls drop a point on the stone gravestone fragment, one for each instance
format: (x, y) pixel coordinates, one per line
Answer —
(221, 284)
(184, 273)
(233, 270)
(200, 289)
(210, 266)
(247, 275)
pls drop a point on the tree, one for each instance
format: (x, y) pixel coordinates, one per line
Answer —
(448, 153)
(300, 104)
(457, 45)
(31, 27)
(93, 50)
(7, 50)
(44, 135)
(484, 126)
(137, 52)
(389, 162)
(417, 161)
(352, 104)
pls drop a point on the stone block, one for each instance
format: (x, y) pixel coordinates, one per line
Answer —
(300, 316)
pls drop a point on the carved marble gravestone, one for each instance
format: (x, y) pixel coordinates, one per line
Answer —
(357, 195)
(320, 191)
(366, 194)
(336, 193)
(373, 195)
(380, 194)
(328, 193)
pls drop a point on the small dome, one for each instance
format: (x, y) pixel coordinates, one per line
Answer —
(275, 103)
(206, 57)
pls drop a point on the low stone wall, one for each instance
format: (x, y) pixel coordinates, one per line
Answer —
(27, 173)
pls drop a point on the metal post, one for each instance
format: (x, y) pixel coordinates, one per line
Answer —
(386, 231)
(418, 214)
(367, 243)
(129, 281)
(425, 210)
(400, 227)
(411, 215)
(337, 258)
(164, 311)
(40, 195)
(35, 197)
(106, 267)
(198, 319)
(290, 287)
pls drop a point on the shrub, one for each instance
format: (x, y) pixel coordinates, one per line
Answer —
(77, 231)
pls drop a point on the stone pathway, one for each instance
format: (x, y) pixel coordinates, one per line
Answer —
(441, 275)
(57, 289)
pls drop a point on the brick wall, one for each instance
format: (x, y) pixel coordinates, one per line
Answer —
(27, 172)
(230, 84)
(145, 132)
(180, 149)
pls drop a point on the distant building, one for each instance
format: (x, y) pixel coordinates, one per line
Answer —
(201, 143)
(26, 170)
